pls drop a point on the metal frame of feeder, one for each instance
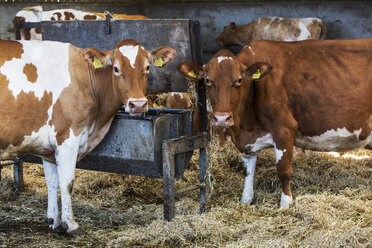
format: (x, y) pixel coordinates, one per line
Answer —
(17, 173)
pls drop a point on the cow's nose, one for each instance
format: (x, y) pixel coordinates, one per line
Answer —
(222, 119)
(137, 105)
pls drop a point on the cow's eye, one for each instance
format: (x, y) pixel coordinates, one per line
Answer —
(148, 68)
(208, 82)
(237, 83)
(116, 69)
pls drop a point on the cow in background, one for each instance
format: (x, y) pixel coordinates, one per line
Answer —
(171, 100)
(58, 102)
(314, 94)
(176, 100)
(273, 28)
(36, 14)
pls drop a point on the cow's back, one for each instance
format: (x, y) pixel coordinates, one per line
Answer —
(287, 29)
(32, 76)
(328, 83)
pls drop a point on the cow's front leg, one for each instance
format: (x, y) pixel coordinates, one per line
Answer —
(66, 157)
(249, 163)
(51, 179)
(283, 158)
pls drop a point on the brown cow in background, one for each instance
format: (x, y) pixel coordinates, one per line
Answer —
(176, 100)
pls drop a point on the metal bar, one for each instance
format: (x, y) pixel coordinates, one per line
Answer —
(204, 177)
(168, 181)
(190, 189)
(108, 24)
(10, 163)
(200, 89)
(18, 175)
(29, 24)
(18, 31)
(192, 40)
(198, 45)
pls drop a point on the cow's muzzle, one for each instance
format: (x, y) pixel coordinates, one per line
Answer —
(136, 106)
(222, 119)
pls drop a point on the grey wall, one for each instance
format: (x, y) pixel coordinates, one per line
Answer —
(343, 19)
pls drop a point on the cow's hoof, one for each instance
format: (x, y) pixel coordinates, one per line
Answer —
(284, 207)
(52, 224)
(50, 221)
(77, 232)
(61, 228)
(247, 202)
(285, 201)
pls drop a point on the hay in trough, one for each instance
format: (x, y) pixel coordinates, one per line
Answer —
(332, 206)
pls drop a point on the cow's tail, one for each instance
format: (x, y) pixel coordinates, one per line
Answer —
(323, 30)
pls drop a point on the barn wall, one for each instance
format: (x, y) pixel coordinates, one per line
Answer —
(343, 19)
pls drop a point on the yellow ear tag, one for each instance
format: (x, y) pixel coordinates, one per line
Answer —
(233, 30)
(158, 62)
(96, 63)
(191, 74)
(256, 75)
(155, 105)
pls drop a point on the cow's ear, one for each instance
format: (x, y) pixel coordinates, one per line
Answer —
(258, 70)
(97, 58)
(162, 56)
(191, 70)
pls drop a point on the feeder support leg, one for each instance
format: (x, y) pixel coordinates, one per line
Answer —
(204, 178)
(18, 174)
(168, 181)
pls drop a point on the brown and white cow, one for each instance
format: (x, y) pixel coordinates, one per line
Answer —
(176, 100)
(171, 100)
(273, 28)
(58, 101)
(36, 14)
(316, 95)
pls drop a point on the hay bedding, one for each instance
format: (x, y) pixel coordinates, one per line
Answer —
(332, 207)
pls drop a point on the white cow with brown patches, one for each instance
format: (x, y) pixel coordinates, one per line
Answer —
(58, 102)
(36, 14)
(273, 28)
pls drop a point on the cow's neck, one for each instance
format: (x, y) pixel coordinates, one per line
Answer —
(245, 33)
(244, 116)
(105, 96)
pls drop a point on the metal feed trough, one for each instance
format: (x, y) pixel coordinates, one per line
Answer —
(160, 143)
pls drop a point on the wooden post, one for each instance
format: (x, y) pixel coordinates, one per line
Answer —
(168, 181)
(18, 174)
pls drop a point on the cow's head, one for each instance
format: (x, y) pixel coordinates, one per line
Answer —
(229, 36)
(227, 81)
(130, 65)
